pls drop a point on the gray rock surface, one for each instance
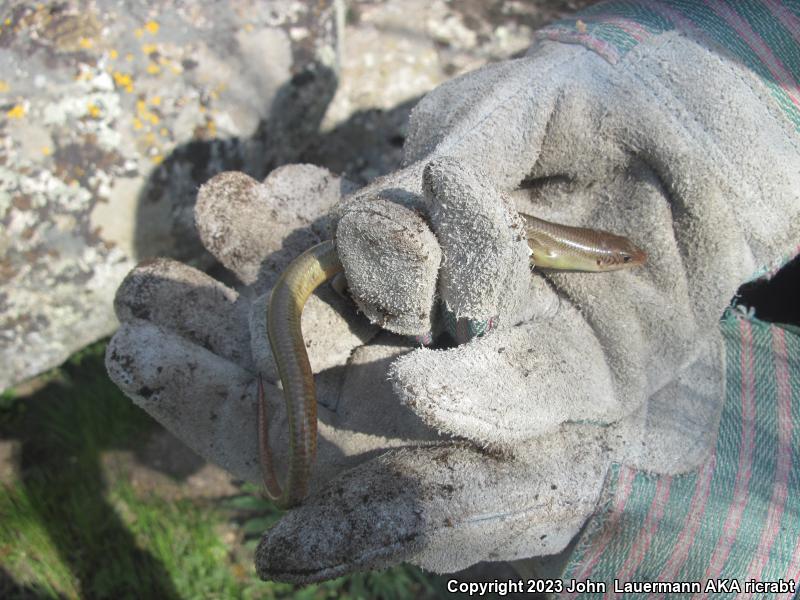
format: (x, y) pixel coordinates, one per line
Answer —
(112, 115)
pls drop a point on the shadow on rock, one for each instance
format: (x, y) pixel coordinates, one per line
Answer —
(365, 146)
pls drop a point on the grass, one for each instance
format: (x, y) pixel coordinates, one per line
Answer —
(70, 529)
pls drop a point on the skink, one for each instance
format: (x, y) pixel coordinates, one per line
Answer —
(552, 245)
(555, 246)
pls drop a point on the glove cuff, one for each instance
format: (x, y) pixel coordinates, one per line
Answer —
(760, 34)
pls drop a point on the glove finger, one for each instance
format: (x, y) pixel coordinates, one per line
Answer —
(391, 261)
(189, 303)
(207, 402)
(366, 403)
(485, 253)
(255, 229)
(513, 384)
(211, 403)
(442, 507)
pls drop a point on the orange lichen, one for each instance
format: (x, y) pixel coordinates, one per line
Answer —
(16, 112)
(144, 114)
(123, 80)
(93, 110)
(152, 27)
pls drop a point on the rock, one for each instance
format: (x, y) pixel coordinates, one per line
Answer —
(395, 51)
(112, 116)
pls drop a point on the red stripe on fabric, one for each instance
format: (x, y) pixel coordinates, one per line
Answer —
(786, 17)
(561, 34)
(784, 458)
(793, 571)
(636, 30)
(649, 528)
(624, 487)
(750, 37)
(675, 17)
(746, 449)
(692, 522)
(622, 26)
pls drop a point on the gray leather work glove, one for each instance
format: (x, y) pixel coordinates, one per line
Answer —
(495, 449)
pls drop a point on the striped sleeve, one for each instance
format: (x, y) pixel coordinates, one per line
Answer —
(764, 35)
(738, 517)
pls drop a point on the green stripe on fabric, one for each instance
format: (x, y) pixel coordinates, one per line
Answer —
(728, 453)
(632, 10)
(642, 492)
(775, 34)
(613, 35)
(746, 29)
(759, 491)
(720, 33)
(769, 387)
(462, 329)
(793, 518)
(729, 38)
(600, 527)
(788, 534)
(789, 327)
(675, 514)
(715, 27)
(768, 383)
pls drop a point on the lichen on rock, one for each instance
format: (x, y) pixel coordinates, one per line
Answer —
(112, 116)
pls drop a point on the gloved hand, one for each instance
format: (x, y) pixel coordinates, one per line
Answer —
(674, 145)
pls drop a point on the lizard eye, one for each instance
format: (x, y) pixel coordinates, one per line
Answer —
(626, 258)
